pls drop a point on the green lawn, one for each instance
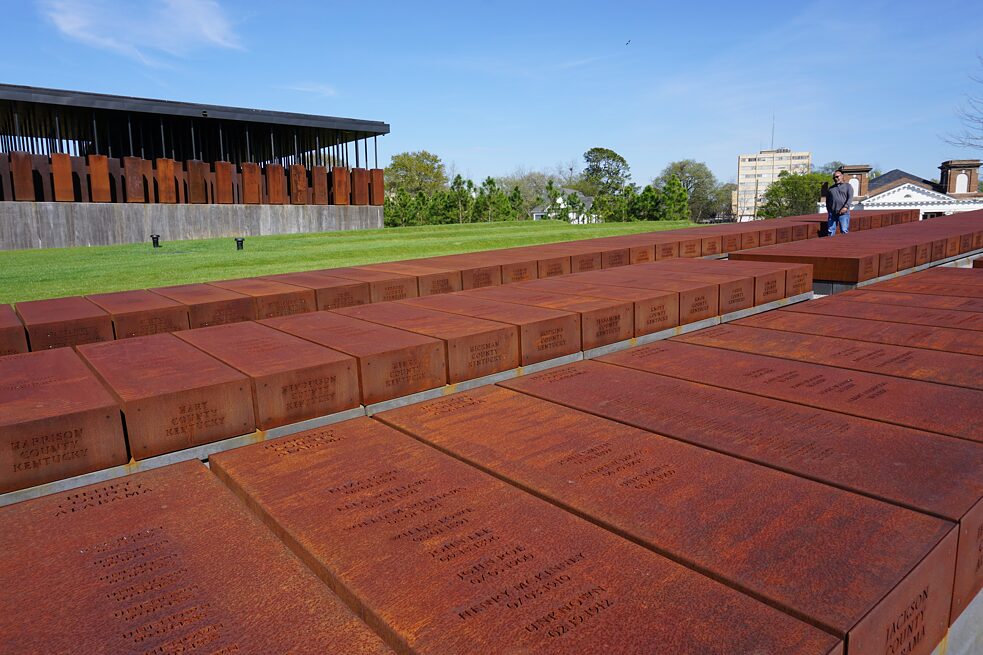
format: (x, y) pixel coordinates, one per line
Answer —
(55, 272)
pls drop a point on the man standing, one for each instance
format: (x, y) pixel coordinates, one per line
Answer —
(838, 199)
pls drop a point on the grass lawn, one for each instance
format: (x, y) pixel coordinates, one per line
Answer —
(55, 272)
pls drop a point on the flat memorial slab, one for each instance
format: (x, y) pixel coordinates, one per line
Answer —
(697, 300)
(443, 558)
(849, 563)
(922, 471)
(871, 295)
(56, 420)
(173, 395)
(330, 292)
(912, 403)
(833, 306)
(13, 338)
(61, 322)
(292, 379)
(430, 279)
(271, 298)
(209, 305)
(474, 347)
(141, 313)
(391, 362)
(930, 288)
(543, 333)
(899, 361)
(383, 287)
(166, 561)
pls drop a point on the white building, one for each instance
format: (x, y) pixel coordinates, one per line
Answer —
(756, 172)
(543, 212)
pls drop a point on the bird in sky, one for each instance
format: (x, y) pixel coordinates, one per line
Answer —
(629, 42)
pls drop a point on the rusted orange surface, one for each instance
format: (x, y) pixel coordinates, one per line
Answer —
(252, 184)
(912, 299)
(22, 176)
(391, 362)
(13, 338)
(298, 184)
(62, 184)
(473, 347)
(383, 287)
(292, 379)
(330, 292)
(223, 182)
(360, 186)
(272, 298)
(166, 561)
(341, 186)
(430, 279)
(931, 288)
(194, 172)
(892, 313)
(377, 186)
(166, 188)
(56, 420)
(733, 519)
(60, 322)
(173, 395)
(948, 275)
(767, 281)
(697, 300)
(319, 185)
(140, 313)
(99, 178)
(210, 305)
(276, 184)
(133, 175)
(461, 560)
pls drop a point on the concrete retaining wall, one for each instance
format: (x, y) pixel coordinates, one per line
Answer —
(57, 225)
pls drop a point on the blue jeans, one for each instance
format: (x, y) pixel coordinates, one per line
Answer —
(842, 219)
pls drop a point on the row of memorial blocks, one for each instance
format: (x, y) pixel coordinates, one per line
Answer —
(98, 178)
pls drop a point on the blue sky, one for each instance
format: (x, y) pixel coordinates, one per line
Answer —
(492, 87)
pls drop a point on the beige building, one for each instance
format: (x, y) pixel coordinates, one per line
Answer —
(756, 172)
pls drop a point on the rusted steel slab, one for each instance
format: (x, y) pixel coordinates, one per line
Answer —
(360, 186)
(99, 178)
(276, 184)
(194, 172)
(948, 275)
(13, 337)
(292, 379)
(173, 395)
(56, 420)
(430, 279)
(709, 511)
(61, 177)
(493, 574)
(166, 182)
(833, 306)
(147, 562)
(913, 287)
(899, 334)
(223, 182)
(22, 176)
(298, 184)
(272, 298)
(210, 305)
(898, 361)
(377, 186)
(341, 186)
(330, 292)
(140, 313)
(912, 300)
(133, 172)
(735, 292)
(922, 471)
(911, 403)
(697, 300)
(477, 270)
(252, 184)
(602, 321)
(473, 347)
(319, 185)
(383, 287)
(60, 322)
(391, 362)
(543, 333)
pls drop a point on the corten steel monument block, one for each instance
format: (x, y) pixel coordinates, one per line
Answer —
(709, 511)
(912, 300)
(341, 186)
(932, 289)
(56, 420)
(140, 313)
(360, 186)
(61, 177)
(276, 184)
(133, 174)
(473, 347)
(292, 379)
(252, 184)
(166, 184)
(99, 179)
(913, 336)
(13, 338)
(478, 270)
(898, 361)
(602, 321)
(697, 300)
(769, 280)
(543, 333)
(164, 561)
(330, 292)
(922, 471)
(383, 287)
(500, 568)
(912, 403)
(298, 184)
(22, 175)
(430, 279)
(391, 362)
(912, 315)
(223, 182)
(210, 305)
(60, 322)
(377, 186)
(173, 395)
(947, 275)
(735, 292)
(319, 185)
(272, 298)
(194, 171)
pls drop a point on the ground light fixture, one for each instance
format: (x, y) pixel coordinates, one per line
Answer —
(155, 238)
(240, 241)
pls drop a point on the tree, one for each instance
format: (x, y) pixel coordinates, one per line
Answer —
(792, 195)
(699, 182)
(416, 172)
(971, 116)
(829, 167)
(606, 172)
(531, 185)
(723, 200)
(675, 202)
(647, 205)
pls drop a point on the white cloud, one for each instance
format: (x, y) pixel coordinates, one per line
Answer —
(150, 32)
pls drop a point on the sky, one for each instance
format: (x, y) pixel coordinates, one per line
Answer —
(497, 87)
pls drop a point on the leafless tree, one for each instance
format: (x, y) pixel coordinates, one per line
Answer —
(971, 115)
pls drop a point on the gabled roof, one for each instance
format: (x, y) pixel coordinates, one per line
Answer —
(894, 178)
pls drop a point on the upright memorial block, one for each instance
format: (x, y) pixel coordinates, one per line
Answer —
(383, 287)
(56, 420)
(61, 177)
(209, 305)
(22, 175)
(709, 510)
(272, 298)
(461, 561)
(133, 173)
(140, 313)
(223, 182)
(292, 379)
(252, 184)
(166, 182)
(60, 322)
(330, 292)
(377, 186)
(360, 186)
(319, 185)
(341, 186)
(13, 338)
(298, 184)
(194, 171)
(473, 347)
(166, 561)
(99, 179)
(276, 184)
(173, 395)
(544, 334)
(929, 473)
(391, 362)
